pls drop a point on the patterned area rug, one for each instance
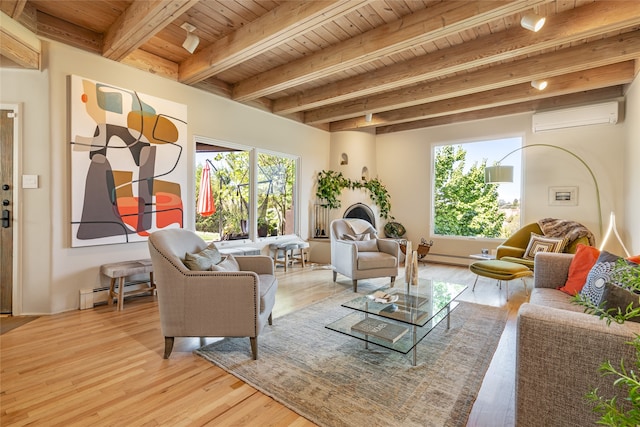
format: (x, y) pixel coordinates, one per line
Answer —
(332, 380)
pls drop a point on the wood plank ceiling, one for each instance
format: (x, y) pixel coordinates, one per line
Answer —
(329, 63)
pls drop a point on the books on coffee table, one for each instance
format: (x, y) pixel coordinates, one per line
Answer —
(400, 312)
(379, 328)
(383, 297)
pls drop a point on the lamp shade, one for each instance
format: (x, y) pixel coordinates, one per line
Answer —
(496, 174)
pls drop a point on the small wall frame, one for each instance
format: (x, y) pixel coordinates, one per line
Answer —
(563, 196)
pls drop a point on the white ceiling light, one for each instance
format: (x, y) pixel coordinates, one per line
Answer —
(532, 22)
(539, 84)
(192, 41)
(368, 117)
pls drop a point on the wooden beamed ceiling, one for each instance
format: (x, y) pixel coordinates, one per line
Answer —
(328, 63)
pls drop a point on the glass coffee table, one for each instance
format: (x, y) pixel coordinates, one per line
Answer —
(399, 325)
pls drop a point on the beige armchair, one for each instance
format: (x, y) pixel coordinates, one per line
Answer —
(209, 303)
(362, 259)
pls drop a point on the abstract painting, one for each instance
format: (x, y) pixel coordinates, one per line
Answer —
(128, 168)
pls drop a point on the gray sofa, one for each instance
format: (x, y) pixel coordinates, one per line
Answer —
(560, 349)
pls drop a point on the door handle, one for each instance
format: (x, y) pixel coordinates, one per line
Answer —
(6, 218)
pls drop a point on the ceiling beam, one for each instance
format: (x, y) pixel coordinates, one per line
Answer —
(141, 21)
(220, 88)
(596, 78)
(562, 29)
(435, 22)
(68, 33)
(586, 97)
(13, 8)
(289, 20)
(589, 55)
(19, 44)
(151, 63)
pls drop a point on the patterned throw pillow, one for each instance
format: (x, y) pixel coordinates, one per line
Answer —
(538, 243)
(203, 260)
(599, 276)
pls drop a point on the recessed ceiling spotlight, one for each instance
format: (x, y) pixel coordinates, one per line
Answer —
(192, 41)
(539, 84)
(532, 22)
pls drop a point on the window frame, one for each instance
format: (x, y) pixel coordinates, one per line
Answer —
(253, 187)
(295, 191)
(518, 175)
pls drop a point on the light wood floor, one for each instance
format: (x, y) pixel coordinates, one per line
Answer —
(103, 367)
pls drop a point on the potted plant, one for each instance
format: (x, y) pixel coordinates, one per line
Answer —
(263, 227)
(394, 230)
(612, 412)
(331, 184)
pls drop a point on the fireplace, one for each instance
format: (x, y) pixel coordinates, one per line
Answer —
(361, 211)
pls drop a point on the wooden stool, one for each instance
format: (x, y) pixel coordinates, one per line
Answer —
(121, 270)
(282, 252)
(500, 270)
(302, 255)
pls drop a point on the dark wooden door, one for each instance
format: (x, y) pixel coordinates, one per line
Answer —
(6, 205)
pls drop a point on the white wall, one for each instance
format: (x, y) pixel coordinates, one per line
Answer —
(631, 186)
(53, 271)
(406, 171)
(360, 148)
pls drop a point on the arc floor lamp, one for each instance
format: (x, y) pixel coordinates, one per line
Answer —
(499, 173)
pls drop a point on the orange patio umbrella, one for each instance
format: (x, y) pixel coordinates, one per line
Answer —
(206, 204)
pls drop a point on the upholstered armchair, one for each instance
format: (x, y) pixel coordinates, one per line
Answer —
(513, 249)
(357, 252)
(209, 303)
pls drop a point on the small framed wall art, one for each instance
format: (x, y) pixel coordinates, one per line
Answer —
(563, 196)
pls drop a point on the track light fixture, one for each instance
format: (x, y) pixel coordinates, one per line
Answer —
(192, 41)
(539, 84)
(368, 117)
(532, 22)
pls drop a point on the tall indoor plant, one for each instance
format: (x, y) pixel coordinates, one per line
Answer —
(613, 412)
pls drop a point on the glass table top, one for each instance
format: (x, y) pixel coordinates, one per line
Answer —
(416, 305)
(417, 311)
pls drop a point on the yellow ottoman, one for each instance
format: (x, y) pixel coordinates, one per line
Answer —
(500, 270)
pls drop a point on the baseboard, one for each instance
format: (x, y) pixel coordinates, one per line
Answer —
(448, 259)
(89, 298)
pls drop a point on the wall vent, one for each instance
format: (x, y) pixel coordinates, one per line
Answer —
(606, 112)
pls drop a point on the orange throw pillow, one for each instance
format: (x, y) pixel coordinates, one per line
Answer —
(584, 259)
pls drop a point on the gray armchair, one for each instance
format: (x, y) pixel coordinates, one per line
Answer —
(209, 303)
(362, 259)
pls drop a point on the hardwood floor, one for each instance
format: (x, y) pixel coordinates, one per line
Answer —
(104, 367)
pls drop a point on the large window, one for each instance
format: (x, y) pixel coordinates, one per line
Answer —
(251, 194)
(463, 205)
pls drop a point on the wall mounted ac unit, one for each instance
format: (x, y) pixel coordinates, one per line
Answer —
(606, 112)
